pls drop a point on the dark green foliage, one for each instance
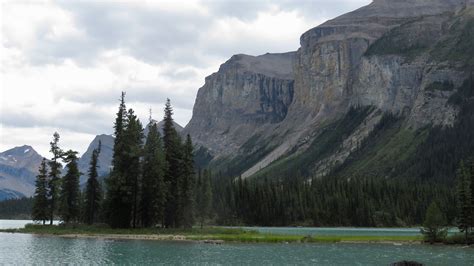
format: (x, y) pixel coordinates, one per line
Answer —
(465, 203)
(118, 203)
(328, 202)
(400, 41)
(147, 186)
(174, 157)
(438, 157)
(153, 199)
(393, 150)
(202, 158)
(380, 154)
(40, 205)
(203, 197)
(252, 151)
(458, 46)
(328, 140)
(434, 226)
(54, 176)
(187, 185)
(93, 195)
(69, 209)
(18, 209)
(133, 136)
(153, 184)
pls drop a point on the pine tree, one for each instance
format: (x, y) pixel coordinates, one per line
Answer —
(133, 136)
(93, 194)
(154, 190)
(203, 197)
(187, 183)
(40, 205)
(434, 227)
(471, 185)
(54, 176)
(117, 200)
(173, 155)
(464, 200)
(70, 193)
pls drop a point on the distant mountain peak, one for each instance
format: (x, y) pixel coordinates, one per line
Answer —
(160, 125)
(18, 168)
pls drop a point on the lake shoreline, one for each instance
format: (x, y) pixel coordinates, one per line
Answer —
(220, 239)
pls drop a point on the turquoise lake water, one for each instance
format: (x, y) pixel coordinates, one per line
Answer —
(29, 249)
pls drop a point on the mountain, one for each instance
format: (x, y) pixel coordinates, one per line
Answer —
(19, 166)
(105, 156)
(361, 96)
(246, 96)
(106, 153)
(160, 127)
(18, 169)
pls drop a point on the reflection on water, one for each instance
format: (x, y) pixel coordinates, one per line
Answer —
(29, 249)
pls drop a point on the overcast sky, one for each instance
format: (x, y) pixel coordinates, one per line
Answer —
(64, 63)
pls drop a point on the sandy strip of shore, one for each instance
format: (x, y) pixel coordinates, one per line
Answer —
(127, 237)
(139, 237)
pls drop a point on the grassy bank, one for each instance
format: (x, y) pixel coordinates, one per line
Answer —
(198, 234)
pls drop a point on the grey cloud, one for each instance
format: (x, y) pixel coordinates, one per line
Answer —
(322, 8)
(242, 9)
(90, 121)
(154, 37)
(150, 35)
(139, 93)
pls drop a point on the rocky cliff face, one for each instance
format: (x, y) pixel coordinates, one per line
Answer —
(247, 95)
(332, 70)
(18, 169)
(395, 55)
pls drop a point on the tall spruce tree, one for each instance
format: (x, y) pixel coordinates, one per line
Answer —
(187, 183)
(54, 176)
(40, 204)
(70, 194)
(153, 199)
(173, 155)
(118, 208)
(133, 137)
(471, 185)
(93, 194)
(464, 200)
(203, 197)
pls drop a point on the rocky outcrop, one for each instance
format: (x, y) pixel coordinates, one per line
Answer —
(383, 55)
(247, 95)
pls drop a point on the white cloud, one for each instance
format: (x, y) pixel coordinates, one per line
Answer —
(39, 138)
(64, 64)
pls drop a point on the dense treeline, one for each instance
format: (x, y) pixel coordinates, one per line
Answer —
(438, 157)
(328, 202)
(465, 199)
(152, 182)
(16, 208)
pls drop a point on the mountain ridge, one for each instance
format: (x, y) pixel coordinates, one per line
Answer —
(385, 55)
